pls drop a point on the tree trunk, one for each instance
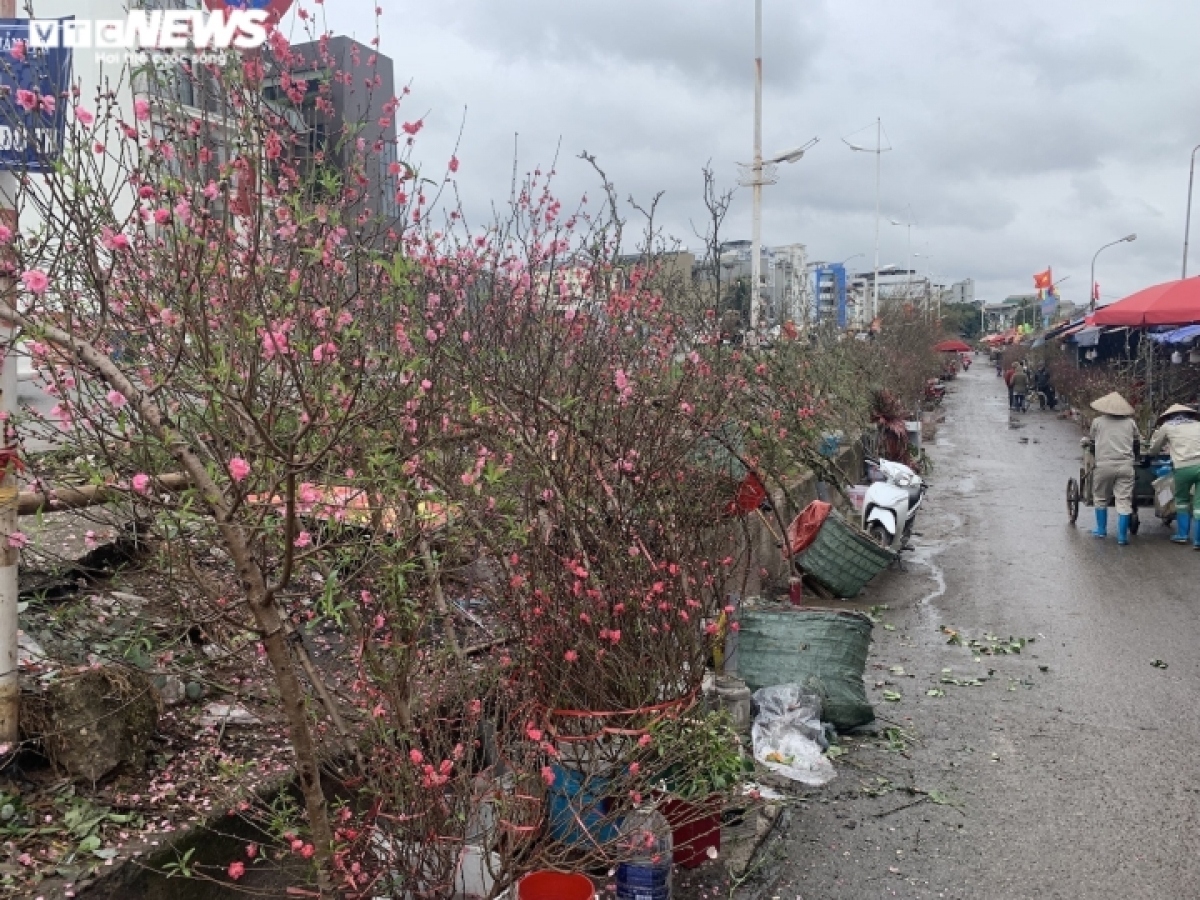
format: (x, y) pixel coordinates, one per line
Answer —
(258, 597)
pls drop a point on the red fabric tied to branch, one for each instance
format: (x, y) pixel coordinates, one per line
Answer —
(804, 528)
(751, 493)
(9, 458)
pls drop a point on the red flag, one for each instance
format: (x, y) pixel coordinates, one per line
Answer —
(1042, 280)
(1095, 292)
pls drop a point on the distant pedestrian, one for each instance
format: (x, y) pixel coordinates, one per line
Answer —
(1020, 387)
(1008, 380)
(731, 326)
(1114, 439)
(1041, 382)
(1179, 429)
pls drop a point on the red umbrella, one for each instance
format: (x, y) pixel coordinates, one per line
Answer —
(952, 346)
(1172, 303)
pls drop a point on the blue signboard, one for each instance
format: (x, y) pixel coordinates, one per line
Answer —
(31, 128)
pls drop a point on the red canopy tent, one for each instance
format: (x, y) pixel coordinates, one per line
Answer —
(952, 346)
(1172, 303)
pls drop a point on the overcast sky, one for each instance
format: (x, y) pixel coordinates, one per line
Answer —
(1025, 133)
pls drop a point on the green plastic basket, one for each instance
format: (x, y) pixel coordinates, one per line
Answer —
(842, 559)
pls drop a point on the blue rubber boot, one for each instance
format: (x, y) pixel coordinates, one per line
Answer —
(1123, 529)
(1183, 528)
(1196, 532)
(1101, 522)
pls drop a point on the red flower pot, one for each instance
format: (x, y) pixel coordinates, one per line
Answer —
(694, 828)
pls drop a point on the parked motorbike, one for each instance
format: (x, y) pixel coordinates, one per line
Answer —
(894, 495)
(935, 391)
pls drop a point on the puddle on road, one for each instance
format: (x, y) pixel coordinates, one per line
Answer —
(926, 553)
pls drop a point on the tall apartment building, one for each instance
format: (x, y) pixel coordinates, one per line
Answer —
(360, 84)
(175, 87)
(962, 291)
(784, 287)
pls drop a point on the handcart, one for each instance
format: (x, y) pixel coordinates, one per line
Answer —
(1150, 489)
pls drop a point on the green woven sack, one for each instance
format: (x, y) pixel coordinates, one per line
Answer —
(820, 648)
(842, 558)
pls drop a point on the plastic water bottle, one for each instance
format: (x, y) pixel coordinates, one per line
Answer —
(645, 846)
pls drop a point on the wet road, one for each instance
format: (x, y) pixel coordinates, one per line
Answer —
(1072, 771)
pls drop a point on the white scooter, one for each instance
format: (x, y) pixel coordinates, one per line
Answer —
(891, 502)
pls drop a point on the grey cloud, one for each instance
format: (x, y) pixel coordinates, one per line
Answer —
(1024, 133)
(706, 40)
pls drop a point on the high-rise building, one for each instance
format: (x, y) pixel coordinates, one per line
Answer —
(354, 110)
(962, 291)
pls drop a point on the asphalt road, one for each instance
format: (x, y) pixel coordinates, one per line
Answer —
(1071, 771)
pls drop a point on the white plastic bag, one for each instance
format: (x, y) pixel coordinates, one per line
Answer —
(787, 734)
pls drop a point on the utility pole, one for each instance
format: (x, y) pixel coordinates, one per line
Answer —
(878, 182)
(10, 690)
(1187, 225)
(756, 239)
(878, 151)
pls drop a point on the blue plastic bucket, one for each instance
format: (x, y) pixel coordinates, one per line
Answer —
(578, 808)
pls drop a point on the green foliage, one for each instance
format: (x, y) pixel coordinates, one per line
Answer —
(703, 755)
(182, 867)
(961, 319)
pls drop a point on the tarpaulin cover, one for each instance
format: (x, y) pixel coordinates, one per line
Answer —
(1172, 303)
(1063, 327)
(1177, 336)
(804, 528)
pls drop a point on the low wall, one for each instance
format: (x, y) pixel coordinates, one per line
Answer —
(769, 569)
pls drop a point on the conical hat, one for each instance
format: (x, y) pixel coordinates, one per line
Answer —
(1113, 405)
(1179, 410)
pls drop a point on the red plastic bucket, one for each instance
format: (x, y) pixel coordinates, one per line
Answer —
(555, 886)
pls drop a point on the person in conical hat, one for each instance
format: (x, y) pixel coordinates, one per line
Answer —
(1113, 405)
(1179, 429)
(1114, 439)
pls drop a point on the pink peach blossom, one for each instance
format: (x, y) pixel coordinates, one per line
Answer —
(35, 280)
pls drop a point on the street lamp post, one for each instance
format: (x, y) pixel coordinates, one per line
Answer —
(1128, 238)
(908, 285)
(929, 268)
(757, 186)
(761, 171)
(1187, 225)
(878, 151)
